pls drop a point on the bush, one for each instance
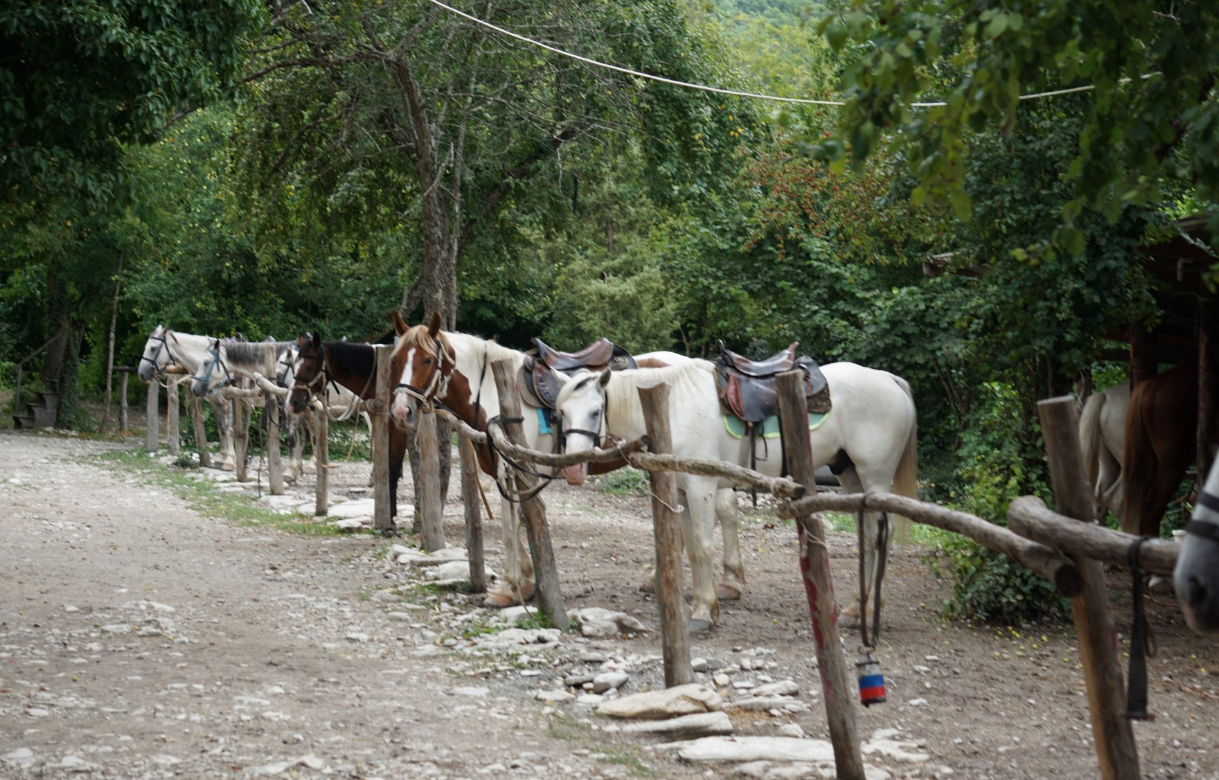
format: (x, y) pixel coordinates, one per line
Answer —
(1001, 459)
(623, 482)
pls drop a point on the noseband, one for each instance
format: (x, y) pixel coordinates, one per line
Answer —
(164, 345)
(1203, 528)
(596, 436)
(320, 378)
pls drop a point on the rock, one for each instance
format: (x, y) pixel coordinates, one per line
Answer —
(419, 558)
(883, 743)
(364, 507)
(21, 757)
(921, 669)
(917, 702)
(357, 637)
(698, 664)
(703, 724)
(781, 688)
(349, 524)
(669, 703)
(722, 680)
(456, 571)
(523, 636)
(116, 628)
(472, 691)
(578, 680)
(554, 697)
(762, 703)
(791, 730)
(598, 623)
(589, 699)
(592, 658)
(609, 681)
(743, 749)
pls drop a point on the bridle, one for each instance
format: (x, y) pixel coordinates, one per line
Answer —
(437, 385)
(1203, 528)
(215, 361)
(319, 379)
(597, 436)
(156, 355)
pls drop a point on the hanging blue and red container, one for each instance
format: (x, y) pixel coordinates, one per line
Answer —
(871, 681)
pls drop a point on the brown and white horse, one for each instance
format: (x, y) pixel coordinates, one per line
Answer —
(469, 391)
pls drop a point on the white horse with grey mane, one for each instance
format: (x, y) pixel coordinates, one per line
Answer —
(165, 348)
(1196, 575)
(869, 439)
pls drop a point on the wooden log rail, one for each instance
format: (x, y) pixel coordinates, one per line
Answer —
(1031, 518)
(1057, 568)
(633, 452)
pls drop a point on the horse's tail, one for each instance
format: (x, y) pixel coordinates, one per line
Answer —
(905, 479)
(1139, 465)
(1090, 442)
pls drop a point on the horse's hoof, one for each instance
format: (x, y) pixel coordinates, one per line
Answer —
(648, 585)
(499, 598)
(699, 625)
(726, 592)
(850, 611)
(1160, 585)
(527, 592)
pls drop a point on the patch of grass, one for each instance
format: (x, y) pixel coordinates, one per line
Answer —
(626, 481)
(202, 496)
(566, 728)
(841, 522)
(434, 589)
(629, 758)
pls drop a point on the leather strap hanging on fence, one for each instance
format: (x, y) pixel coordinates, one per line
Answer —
(1142, 643)
(882, 542)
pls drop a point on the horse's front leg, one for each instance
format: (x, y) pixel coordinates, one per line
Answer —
(698, 530)
(397, 453)
(223, 413)
(518, 582)
(733, 582)
(372, 454)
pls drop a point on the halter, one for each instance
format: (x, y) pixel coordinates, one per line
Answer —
(216, 361)
(1203, 528)
(438, 384)
(323, 375)
(164, 345)
(597, 436)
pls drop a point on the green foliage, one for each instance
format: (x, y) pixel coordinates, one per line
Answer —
(1150, 123)
(624, 482)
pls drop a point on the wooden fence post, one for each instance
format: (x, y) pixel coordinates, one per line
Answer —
(196, 418)
(550, 598)
(818, 585)
(666, 530)
(383, 521)
(123, 402)
(173, 437)
(153, 433)
(1095, 632)
(241, 437)
(275, 463)
(473, 515)
(431, 507)
(321, 454)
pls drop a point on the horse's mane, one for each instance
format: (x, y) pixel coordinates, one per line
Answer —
(466, 342)
(347, 357)
(250, 354)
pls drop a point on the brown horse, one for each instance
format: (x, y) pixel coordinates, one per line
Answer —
(1161, 426)
(354, 366)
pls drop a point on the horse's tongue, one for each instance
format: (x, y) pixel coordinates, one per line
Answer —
(576, 474)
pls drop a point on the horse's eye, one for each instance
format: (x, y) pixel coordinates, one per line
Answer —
(427, 361)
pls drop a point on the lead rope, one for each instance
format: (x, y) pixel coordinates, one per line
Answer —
(871, 679)
(1142, 643)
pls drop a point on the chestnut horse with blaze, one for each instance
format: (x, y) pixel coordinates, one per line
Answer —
(1161, 444)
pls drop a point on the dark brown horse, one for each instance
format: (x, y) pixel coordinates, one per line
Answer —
(1161, 443)
(354, 366)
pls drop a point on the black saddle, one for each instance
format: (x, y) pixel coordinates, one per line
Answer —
(748, 388)
(539, 385)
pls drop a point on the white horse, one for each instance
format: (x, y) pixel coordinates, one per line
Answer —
(1196, 575)
(1102, 435)
(225, 362)
(165, 348)
(869, 439)
(474, 356)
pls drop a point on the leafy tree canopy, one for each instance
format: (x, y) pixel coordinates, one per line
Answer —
(1152, 119)
(78, 78)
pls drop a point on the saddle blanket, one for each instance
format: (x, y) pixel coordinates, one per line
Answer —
(770, 426)
(543, 421)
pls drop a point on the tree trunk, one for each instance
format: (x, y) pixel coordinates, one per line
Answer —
(59, 322)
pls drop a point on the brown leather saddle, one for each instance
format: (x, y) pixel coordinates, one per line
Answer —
(538, 383)
(748, 388)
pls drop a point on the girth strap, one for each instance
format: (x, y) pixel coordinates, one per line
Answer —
(1141, 642)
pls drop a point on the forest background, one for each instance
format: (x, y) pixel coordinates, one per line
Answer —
(230, 166)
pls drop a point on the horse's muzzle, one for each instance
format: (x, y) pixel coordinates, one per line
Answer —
(576, 474)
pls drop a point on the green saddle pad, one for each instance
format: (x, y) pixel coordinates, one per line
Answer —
(770, 426)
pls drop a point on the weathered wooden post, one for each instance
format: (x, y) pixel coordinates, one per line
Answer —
(431, 507)
(666, 530)
(1095, 632)
(241, 436)
(550, 598)
(196, 419)
(473, 515)
(275, 463)
(383, 521)
(818, 585)
(123, 401)
(153, 433)
(173, 438)
(321, 454)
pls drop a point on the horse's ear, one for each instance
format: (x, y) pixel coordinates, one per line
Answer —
(317, 341)
(605, 378)
(216, 344)
(433, 327)
(400, 325)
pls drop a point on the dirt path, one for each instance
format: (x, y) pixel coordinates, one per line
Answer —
(139, 638)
